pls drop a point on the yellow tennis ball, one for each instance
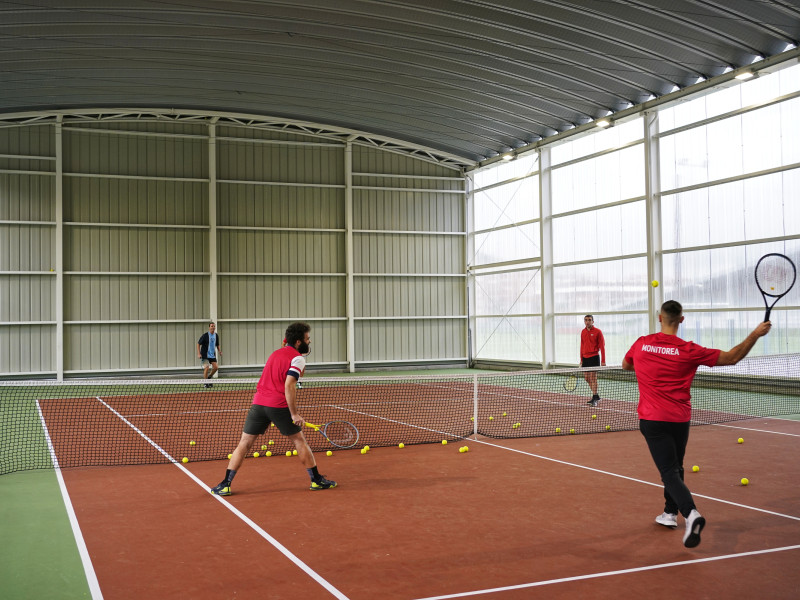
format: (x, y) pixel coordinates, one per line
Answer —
(472, 418)
(608, 427)
(272, 424)
(363, 451)
(230, 456)
(745, 481)
(740, 440)
(288, 453)
(491, 418)
(466, 448)
(505, 414)
(558, 429)
(329, 453)
(184, 460)
(366, 448)
(268, 453)
(572, 431)
(654, 283)
(401, 445)
(256, 455)
(294, 452)
(271, 442)
(263, 446)
(594, 416)
(695, 468)
(444, 442)
(461, 450)
(192, 443)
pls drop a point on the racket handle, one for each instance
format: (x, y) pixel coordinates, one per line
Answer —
(766, 314)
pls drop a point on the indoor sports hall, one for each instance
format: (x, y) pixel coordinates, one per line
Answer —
(486, 212)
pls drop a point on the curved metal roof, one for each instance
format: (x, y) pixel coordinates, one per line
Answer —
(469, 78)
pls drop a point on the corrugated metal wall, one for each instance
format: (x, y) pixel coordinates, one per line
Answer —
(139, 283)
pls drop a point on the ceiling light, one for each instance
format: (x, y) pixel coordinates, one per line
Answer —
(508, 156)
(744, 75)
(603, 123)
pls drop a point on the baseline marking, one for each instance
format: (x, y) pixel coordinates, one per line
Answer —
(608, 573)
(83, 551)
(280, 547)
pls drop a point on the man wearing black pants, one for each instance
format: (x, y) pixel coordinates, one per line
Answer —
(665, 366)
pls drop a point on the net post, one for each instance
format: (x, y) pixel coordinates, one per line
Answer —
(475, 405)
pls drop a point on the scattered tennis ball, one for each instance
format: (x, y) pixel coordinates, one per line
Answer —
(654, 283)
(329, 453)
(572, 431)
(294, 452)
(472, 418)
(401, 445)
(608, 427)
(268, 453)
(192, 443)
(466, 448)
(462, 450)
(366, 448)
(184, 460)
(272, 424)
(740, 440)
(264, 447)
(745, 481)
(230, 456)
(695, 468)
(363, 451)
(288, 453)
(271, 442)
(491, 418)
(505, 414)
(256, 455)
(594, 416)
(444, 442)
(558, 429)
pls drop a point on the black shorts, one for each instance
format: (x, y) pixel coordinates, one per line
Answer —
(592, 361)
(259, 417)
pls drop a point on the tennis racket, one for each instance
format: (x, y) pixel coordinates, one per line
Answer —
(775, 276)
(571, 383)
(341, 434)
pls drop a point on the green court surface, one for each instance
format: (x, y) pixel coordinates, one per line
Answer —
(39, 557)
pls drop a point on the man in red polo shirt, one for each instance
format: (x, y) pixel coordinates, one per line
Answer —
(665, 366)
(593, 354)
(275, 402)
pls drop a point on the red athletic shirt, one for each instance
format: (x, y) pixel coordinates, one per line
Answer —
(593, 343)
(665, 366)
(282, 363)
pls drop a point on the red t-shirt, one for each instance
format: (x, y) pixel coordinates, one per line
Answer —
(282, 363)
(665, 366)
(593, 343)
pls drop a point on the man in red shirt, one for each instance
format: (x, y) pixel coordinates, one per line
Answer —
(593, 345)
(665, 366)
(275, 402)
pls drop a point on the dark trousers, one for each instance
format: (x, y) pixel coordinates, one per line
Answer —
(667, 442)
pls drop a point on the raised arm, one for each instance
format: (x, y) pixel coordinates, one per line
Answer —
(737, 353)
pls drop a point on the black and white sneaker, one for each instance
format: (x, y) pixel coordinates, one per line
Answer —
(593, 402)
(667, 520)
(207, 385)
(694, 525)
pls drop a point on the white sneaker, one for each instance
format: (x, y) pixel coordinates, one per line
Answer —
(667, 520)
(694, 525)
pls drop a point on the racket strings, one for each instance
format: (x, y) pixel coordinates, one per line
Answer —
(341, 433)
(775, 275)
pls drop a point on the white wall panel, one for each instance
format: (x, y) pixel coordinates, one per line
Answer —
(27, 197)
(28, 348)
(409, 340)
(284, 296)
(409, 296)
(248, 161)
(252, 343)
(408, 253)
(281, 251)
(242, 205)
(26, 247)
(26, 298)
(408, 210)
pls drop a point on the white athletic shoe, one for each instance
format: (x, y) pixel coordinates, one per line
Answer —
(667, 520)
(694, 525)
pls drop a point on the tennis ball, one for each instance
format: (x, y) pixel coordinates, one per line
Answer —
(695, 468)
(294, 452)
(472, 418)
(268, 453)
(654, 283)
(230, 456)
(272, 424)
(329, 453)
(745, 481)
(491, 418)
(256, 455)
(192, 443)
(505, 414)
(558, 429)
(271, 442)
(608, 427)
(264, 447)
(444, 442)
(363, 451)
(366, 448)
(461, 450)
(466, 448)
(740, 440)
(184, 460)
(401, 445)
(288, 453)
(594, 416)
(572, 431)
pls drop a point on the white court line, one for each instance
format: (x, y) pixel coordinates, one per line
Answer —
(758, 430)
(609, 573)
(88, 568)
(280, 547)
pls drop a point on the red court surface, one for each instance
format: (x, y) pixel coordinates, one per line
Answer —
(565, 517)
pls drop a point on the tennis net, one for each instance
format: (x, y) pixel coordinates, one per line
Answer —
(79, 423)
